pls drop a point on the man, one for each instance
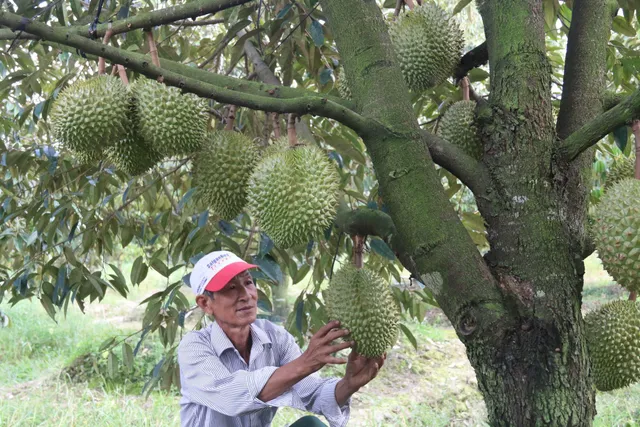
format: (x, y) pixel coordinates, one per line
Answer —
(239, 370)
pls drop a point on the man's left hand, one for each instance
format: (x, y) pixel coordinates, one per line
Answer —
(360, 370)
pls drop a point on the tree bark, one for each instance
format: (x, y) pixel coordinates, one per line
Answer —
(539, 373)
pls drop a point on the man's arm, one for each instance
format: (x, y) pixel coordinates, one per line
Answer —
(315, 357)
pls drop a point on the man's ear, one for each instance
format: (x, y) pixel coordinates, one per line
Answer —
(204, 303)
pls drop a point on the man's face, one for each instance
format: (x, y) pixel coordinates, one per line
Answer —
(237, 303)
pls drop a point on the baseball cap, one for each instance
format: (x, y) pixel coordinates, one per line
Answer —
(214, 270)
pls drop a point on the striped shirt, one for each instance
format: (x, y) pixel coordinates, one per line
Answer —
(219, 389)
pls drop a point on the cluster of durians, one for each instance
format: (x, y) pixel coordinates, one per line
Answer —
(428, 44)
(613, 330)
(292, 191)
(132, 126)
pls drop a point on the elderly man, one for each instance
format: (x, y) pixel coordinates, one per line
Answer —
(239, 370)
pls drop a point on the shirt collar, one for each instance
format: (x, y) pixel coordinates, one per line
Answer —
(221, 342)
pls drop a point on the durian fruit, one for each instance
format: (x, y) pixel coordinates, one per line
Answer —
(363, 303)
(90, 115)
(222, 169)
(428, 44)
(278, 145)
(616, 232)
(343, 85)
(623, 167)
(613, 340)
(458, 126)
(172, 123)
(132, 154)
(294, 194)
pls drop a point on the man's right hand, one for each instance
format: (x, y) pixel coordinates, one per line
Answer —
(321, 346)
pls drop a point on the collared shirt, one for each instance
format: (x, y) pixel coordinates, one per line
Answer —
(219, 389)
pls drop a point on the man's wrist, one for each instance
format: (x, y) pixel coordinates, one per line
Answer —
(344, 391)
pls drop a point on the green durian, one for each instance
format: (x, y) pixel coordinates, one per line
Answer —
(616, 232)
(623, 167)
(458, 126)
(363, 303)
(613, 340)
(294, 194)
(428, 44)
(221, 172)
(170, 122)
(132, 154)
(91, 115)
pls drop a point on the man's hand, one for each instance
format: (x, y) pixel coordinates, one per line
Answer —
(360, 371)
(318, 353)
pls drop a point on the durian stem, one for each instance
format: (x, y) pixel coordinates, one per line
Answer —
(101, 61)
(291, 130)
(276, 125)
(358, 250)
(153, 50)
(231, 117)
(464, 86)
(399, 4)
(123, 74)
(633, 296)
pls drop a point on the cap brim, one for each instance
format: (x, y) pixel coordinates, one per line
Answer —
(221, 279)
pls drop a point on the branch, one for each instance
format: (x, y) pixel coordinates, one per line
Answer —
(63, 36)
(472, 173)
(476, 57)
(308, 103)
(600, 127)
(585, 65)
(203, 22)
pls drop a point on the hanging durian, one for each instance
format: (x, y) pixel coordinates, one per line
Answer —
(221, 172)
(91, 115)
(616, 232)
(171, 122)
(428, 44)
(458, 126)
(294, 194)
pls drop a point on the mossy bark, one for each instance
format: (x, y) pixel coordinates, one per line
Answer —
(518, 310)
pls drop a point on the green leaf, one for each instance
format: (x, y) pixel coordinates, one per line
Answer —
(127, 356)
(301, 273)
(76, 8)
(409, 335)
(70, 256)
(317, 33)
(381, 248)
(621, 26)
(461, 5)
(160, 267)
(48, 305)
(106, 344)
(138, 271)
(621, 135)
(477, 75)
(112, 365)
(345, 148)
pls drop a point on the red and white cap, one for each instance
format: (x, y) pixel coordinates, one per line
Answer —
(214, 270)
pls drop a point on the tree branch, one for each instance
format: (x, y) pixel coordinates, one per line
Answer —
(585, 65)
(599, 127)
(308, 103)
(203, 22)
(476, 57)
(63, 36)
(472, 173)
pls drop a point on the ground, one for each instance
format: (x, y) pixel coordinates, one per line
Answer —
(434, 386)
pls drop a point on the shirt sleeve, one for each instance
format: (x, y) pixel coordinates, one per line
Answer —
(206, 381)
(313, 393)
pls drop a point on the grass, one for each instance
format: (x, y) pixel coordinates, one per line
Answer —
(431, 386)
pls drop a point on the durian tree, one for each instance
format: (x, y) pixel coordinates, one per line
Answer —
(490, 206)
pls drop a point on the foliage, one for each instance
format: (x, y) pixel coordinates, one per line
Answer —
(65, 222)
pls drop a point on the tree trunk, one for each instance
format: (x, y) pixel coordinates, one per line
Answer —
(518, 312)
